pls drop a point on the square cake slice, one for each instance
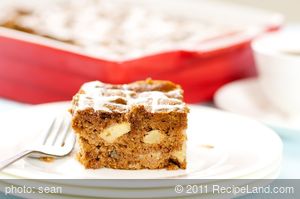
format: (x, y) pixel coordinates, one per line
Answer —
(132, 126)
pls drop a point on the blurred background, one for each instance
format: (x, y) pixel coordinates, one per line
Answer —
(187, 42)
(289, 8)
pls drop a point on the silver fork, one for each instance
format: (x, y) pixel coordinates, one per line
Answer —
(56, 141)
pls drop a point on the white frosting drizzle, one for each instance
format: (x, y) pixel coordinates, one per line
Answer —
(100, 96)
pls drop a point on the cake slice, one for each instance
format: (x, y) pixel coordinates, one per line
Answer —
(132, 126)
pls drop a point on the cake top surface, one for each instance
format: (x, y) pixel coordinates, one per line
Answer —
(154, 95)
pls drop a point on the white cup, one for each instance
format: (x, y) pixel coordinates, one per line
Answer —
(277, 57)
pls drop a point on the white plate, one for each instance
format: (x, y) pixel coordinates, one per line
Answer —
(241, 147)
(110, 193)
(136, 192)
(245, 97)
(269, 174)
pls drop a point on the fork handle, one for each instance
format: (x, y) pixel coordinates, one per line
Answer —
(8, 161)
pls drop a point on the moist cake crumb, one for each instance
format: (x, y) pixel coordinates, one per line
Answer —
(131, 126)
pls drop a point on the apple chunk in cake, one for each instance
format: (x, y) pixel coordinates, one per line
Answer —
(132, 126)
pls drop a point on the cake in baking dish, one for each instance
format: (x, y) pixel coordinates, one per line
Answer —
(132, 126)
(114, 30)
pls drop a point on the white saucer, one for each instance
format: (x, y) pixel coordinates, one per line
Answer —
(245, 97)
(233, 154)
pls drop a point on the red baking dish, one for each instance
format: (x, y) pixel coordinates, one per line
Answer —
(36, 70)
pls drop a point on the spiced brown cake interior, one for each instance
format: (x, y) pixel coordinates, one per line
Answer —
(132, 126)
